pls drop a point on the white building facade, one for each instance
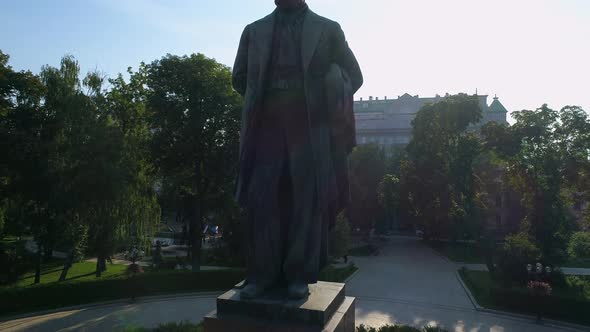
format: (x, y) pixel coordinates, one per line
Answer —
(388, 122)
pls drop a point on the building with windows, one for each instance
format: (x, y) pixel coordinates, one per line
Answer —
(388, 122)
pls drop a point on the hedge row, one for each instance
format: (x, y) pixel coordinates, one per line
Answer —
(557, 307)
(56, 295)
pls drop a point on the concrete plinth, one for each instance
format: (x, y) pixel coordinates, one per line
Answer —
(326, 309)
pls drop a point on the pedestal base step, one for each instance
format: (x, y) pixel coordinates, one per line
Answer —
(317, 309)
(342, 320)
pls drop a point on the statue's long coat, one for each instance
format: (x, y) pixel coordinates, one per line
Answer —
(323, 45)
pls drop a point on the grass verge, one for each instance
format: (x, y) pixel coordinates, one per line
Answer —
(565, 303)
(333, 274)
(16, 300)
(83, 287)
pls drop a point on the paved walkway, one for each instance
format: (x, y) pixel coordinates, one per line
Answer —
(407, 284)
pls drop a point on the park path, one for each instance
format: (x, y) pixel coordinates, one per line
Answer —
(407, 284)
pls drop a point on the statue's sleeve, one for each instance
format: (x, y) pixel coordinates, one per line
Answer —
(344, 57)
(240, 70)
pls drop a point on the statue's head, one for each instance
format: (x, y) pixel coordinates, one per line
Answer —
(289, 4)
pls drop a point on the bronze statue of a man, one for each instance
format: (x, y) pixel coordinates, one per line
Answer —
(298, 77)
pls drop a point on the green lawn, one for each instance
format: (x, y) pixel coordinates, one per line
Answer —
(83, 287)
(565, 303)
(332, 274)
(84, 290)
(78, 272)
(8, 240)
(458, 252)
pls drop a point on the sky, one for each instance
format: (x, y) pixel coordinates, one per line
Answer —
(527, 52)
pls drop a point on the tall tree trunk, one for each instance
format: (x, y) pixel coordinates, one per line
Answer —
(67, 266)
(38, 264)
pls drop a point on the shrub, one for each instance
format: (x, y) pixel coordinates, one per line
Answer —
(579, 284)
(517, 252)
(56, 295)
(340, 237)
(399, 328)
(433, 329)
(579, 245)
(179, 327)
(568, 308)
(14, 261)
(170, 327)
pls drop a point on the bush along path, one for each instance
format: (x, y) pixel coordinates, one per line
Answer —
(567, 300)
(85, 288)
(188, 327)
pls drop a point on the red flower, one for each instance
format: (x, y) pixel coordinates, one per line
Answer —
(539, 288)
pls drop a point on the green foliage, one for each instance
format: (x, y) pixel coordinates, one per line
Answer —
(579, 284)
(388, 193)
(399, 328)
(340, 237)
(517, 252)
(437, 178)
(547, 160)
(81, 291)
(78, 272)
(179, 327)
(567, 303)
(333, 274)
(184, 326)
(195, 121)
(579, 245)
(367, 165)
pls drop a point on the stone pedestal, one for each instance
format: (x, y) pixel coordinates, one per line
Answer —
(326, 309)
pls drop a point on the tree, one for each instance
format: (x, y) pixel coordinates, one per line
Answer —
(367, 168)
(195, 120)
(25, 174)
(389, 200)
(102, 195)
(579, 245)
(437, 178)
(549, 167)
(340, 237)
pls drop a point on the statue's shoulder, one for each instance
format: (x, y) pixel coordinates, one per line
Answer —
(328, 23)
(267, 19)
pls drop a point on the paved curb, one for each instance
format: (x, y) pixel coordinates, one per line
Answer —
(352, 275)
(106, 304)
(546, 322)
